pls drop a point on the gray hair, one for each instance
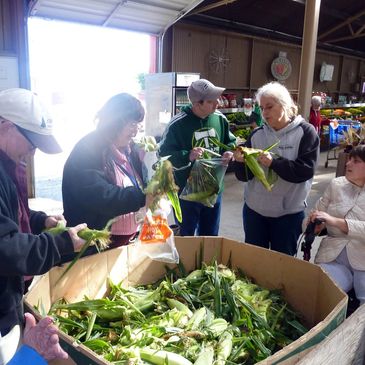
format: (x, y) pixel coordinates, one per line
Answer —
(316, 101)
(281, 96)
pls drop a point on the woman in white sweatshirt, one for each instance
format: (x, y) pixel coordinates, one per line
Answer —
(342, 208)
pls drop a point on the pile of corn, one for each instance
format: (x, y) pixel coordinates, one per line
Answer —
(209, 316)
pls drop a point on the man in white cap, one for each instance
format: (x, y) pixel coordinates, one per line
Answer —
(24, 249)
(198, 127)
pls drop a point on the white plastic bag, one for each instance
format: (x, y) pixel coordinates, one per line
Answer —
(156, 239)
(149, 159)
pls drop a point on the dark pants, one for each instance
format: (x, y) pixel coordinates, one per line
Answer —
(199, 220)
(280, 234)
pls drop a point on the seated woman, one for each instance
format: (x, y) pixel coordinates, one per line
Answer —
(342, 209)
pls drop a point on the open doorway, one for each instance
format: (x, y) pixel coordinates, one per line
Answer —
(75, 68)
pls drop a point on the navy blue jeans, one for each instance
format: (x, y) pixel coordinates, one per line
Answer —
(280, 234)
(199, 220)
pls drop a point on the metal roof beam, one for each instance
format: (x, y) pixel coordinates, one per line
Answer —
(34, 6)
(346, 38)
(341, 25)
(213, 6)
(120, 4)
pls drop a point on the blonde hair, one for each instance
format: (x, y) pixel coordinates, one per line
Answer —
(281, 96)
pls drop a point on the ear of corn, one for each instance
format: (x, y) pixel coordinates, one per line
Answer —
(250, 155)
(148, 143)
(197, 318)
(160, 357)
(163, 183)
(176, 325)
(224, 348)
(206, 356)
(173, 303)
(256, 169)
(99, 238)
(217, 327)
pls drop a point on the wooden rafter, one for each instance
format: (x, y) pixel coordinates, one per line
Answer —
(346, 23)
(212, 6)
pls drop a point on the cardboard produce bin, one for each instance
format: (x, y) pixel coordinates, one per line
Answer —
(305, 286)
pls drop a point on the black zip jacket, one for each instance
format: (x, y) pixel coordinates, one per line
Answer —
(89, 193)
(22, 253)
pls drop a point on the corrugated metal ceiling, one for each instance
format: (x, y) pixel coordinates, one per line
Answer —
(148, 16)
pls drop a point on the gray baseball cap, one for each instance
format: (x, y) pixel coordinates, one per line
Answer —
(202, 89)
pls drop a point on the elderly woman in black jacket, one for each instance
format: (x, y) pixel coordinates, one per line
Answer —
(102, 177)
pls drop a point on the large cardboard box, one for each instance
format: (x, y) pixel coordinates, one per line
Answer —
(305, 286)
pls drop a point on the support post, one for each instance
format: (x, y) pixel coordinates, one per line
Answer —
(308, 55)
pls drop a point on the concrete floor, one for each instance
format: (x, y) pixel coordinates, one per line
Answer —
(231, 217)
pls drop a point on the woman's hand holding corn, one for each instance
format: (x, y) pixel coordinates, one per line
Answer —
(265, 159)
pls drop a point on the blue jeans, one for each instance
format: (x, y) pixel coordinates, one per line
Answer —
(280, 234)
(199, 220)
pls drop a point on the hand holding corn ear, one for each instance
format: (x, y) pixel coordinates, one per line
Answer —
(53, 220)
(249, 157)
(83, 237)
(265, 159)
(77, 241)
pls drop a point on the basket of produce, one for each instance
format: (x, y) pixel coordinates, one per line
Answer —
(229, 303)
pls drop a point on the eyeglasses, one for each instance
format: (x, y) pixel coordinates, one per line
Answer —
(133, 125)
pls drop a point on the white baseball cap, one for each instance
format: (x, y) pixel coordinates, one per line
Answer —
(24, 109)
(202, 89)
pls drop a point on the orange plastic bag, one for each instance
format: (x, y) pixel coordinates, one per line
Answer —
(155, 230)
(156, 239)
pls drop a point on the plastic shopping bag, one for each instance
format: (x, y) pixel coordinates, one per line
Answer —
(156, 239)
(205, 181)
(148, 163)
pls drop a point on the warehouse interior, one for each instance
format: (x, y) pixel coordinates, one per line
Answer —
(232, 43)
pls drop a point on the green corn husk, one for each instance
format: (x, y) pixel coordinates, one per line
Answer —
(206, 356)
(163, 357)
(99, 238)
(181, 327)
(147, 143)
(224, 348)
(250, 155)
(163, 183)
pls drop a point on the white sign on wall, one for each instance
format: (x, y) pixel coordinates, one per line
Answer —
(9, 72)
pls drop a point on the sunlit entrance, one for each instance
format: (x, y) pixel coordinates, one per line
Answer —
(75, 68)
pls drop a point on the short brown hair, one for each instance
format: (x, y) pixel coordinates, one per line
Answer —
(119, 110)
(358, 151)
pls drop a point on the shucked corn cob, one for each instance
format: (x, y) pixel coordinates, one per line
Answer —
(163, 357)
